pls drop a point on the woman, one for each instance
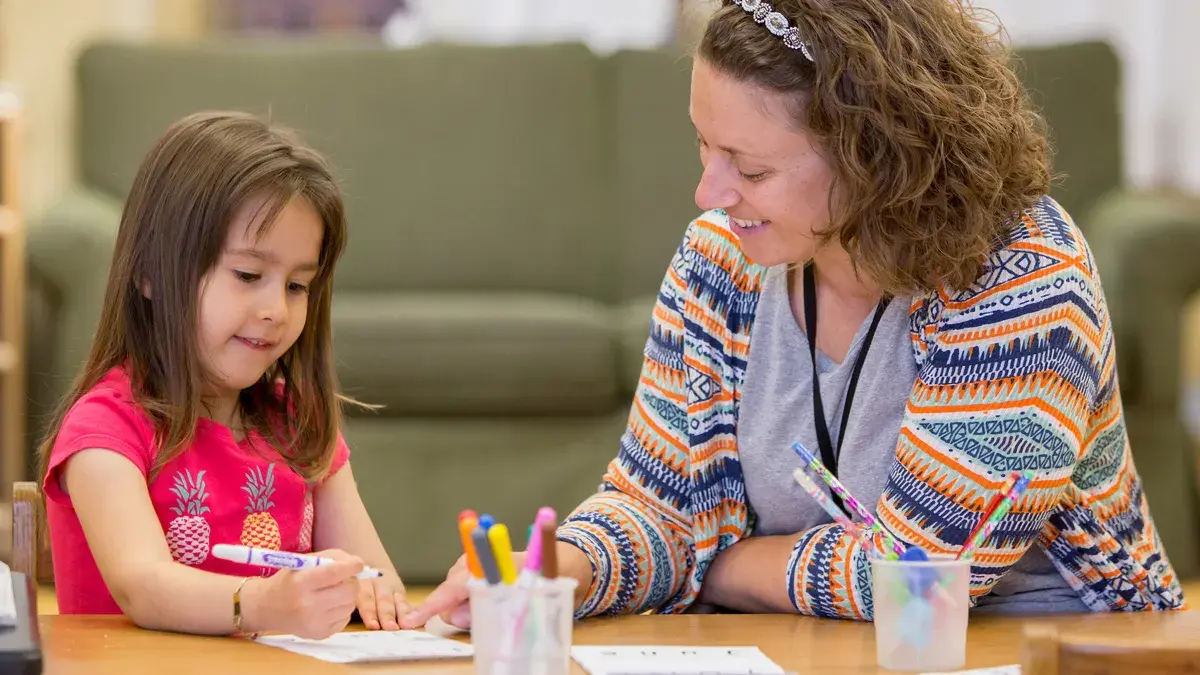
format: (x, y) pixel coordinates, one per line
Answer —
(875, 189)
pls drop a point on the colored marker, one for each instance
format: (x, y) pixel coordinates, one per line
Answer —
(279, 559)
(502, 550)
(533, 555)
(486, 521)
(968, 550)
(810, 486)
(892, 549)
(487, 561)
(1005, 488)
(467, 523)
(549, 532)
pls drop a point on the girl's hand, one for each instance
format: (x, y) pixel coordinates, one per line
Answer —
(312, 603)
(381, 602)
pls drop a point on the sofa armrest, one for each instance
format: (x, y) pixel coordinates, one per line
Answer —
(1147, 248)
(69, 248)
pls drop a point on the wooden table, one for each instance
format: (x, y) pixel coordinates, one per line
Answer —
(100, 645)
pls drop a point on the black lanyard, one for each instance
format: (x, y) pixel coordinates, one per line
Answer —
(828, 455)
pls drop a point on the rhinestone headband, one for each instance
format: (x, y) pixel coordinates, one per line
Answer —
(776, 23)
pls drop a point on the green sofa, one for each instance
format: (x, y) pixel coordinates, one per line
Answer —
(512, 211)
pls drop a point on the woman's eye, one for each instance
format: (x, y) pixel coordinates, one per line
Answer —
(753, 177)
(247, 277)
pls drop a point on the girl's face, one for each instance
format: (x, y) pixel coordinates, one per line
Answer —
(763, 171)
(254, 301)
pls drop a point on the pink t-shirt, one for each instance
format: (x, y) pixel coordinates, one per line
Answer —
(218, 491)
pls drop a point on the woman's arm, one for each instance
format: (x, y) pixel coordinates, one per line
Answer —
(108, 492)
(643, 501)
(1010, 381)
(1004, 386)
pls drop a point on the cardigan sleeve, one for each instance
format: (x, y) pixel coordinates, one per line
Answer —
(1008, 382)
(636, 530)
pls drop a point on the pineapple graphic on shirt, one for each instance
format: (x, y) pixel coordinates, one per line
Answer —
(306, 526)
(259, 529)
(188, 533)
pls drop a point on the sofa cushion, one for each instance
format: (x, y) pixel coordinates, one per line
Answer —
(463, 162)
(478, 353)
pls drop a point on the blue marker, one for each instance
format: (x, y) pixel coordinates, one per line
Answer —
(486, 521)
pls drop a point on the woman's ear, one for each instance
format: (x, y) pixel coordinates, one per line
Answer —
(146, 289)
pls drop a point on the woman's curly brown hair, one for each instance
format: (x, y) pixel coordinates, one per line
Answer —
(933, 145)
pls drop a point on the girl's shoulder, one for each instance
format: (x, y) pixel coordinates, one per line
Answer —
(110, 400)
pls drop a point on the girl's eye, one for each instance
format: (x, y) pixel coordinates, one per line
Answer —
(297, 288)
(247, 277)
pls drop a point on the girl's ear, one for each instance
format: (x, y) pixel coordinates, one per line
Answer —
(146, 288)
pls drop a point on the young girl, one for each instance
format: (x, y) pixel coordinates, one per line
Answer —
(207, 411)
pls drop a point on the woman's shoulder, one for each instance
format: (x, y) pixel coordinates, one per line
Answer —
(712, 252)
(1040, 257)
(1046, 225)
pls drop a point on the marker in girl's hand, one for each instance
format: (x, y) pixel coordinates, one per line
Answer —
(280, 559)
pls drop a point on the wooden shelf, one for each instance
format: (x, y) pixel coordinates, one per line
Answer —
(8, 222)
(12, 300)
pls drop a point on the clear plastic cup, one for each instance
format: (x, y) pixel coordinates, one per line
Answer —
(523, 630)
(921, 611)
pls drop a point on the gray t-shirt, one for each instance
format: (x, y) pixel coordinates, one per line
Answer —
(776, 409)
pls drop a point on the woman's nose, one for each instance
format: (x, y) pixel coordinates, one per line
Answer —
(716, 189)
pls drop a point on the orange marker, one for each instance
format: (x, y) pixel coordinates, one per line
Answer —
(466, 525)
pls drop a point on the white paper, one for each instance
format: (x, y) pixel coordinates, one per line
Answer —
(8, 601)
(668, 660)
(365, 646)
(996, 670)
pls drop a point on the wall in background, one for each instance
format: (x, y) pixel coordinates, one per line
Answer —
(39, 41)
(1157, 43)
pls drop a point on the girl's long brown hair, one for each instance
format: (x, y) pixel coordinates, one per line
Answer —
(172, 233)
(934, 147)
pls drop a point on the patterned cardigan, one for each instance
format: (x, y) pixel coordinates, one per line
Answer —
(1016, 372)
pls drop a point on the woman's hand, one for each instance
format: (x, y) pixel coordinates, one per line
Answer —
(450, 600)
(381, 602)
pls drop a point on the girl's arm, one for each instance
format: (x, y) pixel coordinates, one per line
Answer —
(341, 522)
(126, 540)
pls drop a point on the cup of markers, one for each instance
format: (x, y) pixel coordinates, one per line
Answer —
(921, 602)
(521, 620)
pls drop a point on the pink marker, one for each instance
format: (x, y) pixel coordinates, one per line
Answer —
(533, 555)
(525, 583)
